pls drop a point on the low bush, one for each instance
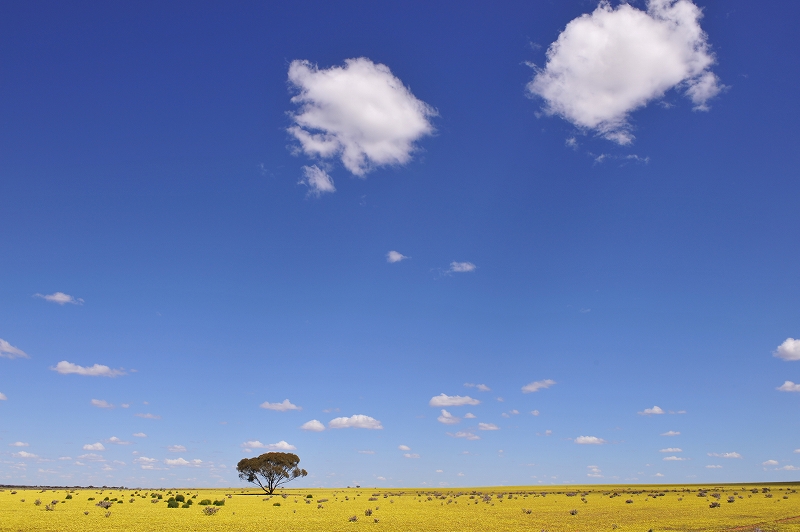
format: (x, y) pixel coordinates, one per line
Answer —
(173, 504)
(204, 502)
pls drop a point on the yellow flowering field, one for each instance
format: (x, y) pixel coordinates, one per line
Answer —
(768, 507)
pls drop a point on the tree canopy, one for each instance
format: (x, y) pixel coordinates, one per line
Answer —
(270, 470)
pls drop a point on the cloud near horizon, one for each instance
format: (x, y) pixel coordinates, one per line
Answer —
(9, 351)
(360, 113)
(98, 370)
(608, 63)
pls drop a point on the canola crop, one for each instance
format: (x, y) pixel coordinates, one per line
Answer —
(767, 508)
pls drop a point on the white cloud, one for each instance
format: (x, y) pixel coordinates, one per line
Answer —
(796, 451)
(118, 441)
(534, 412)
(25, 454)
(769, 463)
(19, 444)
(366, 452)
(487, 426)
(589, 440)
(317, 180)
(713, 467)
(725, 455)
(452, 400)
(60, 298)
(674, 459)
(360, 112)
(466, 435)
(594, 472)
(469, 415)
(183, 462)
(176, 449)
(313, 425)
(788, 386)
(94, 447)
(98, 370)
(788, 350)
(447, 418)
(280, 407)
(125, 405)
(479, 387)
(671, 433)
(404, 447)
(538, 385)
(440, 470)
(651, 411)
(671, 450)
(788, 468)
(140, 435)
(358, 421)
(411, 455)
(3, 397)
(658, 475)
(9, 351)
(461, 267)
(148, 416)
(280, 446)
(101, 403)
(606, 64)
(395, 256)
(92, 457)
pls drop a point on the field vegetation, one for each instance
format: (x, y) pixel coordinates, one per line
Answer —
(765, 507)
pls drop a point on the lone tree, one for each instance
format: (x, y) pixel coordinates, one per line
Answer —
(270, 470)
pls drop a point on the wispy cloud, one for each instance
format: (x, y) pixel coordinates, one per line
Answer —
(139, 435)
(101, 403)
(674, 459)
(651, 411)
(461, 267)
(447, 418)
(176, 449)
(313, 425)
(465, 435)
(671, 450)
(148, 416)
(452, 400)
(317, 180)
(411, 455)
(538, 385)
(589, 440)
(94, 447)
(280, 446)
(9, 351)
(280, 407)
(487, 426)
(770, 463)
(404, 447)
(360, 113)
(671, 433)
(60, 298)
(3, 397)
(713, 466)
(606, 64)
(725, 455)
(118, 441)
(358, 421)
(24, 454)
(98, 370)
(788, 350)
(19, 444)
(479, 387)
(395, 256)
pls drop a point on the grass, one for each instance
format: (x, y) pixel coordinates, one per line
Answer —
(765, 507)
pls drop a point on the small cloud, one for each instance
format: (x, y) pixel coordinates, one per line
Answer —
(452, 400)
(671, 433)
(770, 463)
(94, 447)
(176, 449)
(674, 459)
(713, 467)
(479, 387)
(411, 455)
(182, 462)
(725, 455)
(589, 440)
(3, 397)
(487, 426)
(671, 450)
(148, 416)
(358, 421)
(788, 350)
(19, 444)
(788, 468)
(571, 142)
(101, 403)
(280, 446)
(500, 399)
(395, 256)
(461, 267)
(118, 441)
(98, 370)
(284, 406)
(140, 435)
(125, 405)
(469, 415)
(789, 386)
(538, 385)
(366, 452)
(404, 447)
(313, 425)
(9, 351)
(465, 435)
(91, 457)
(652, 411)
(317, 180)
(461, 474)
(440, 471)
(658, 475)
(60, 298)
(534, 412)
(380, 478)
(594, 472)
(447, 418)
(24, 454)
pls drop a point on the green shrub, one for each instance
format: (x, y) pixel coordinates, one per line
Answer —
(276, 504)
(90, 499)
(186, 505)
(204, 502)
(68, 496)
(159, 496)
(219, 503)
(173, 504)
(194, 496)
(180, 498)
(309, 496)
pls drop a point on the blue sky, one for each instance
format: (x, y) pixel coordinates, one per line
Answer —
(233, 228)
